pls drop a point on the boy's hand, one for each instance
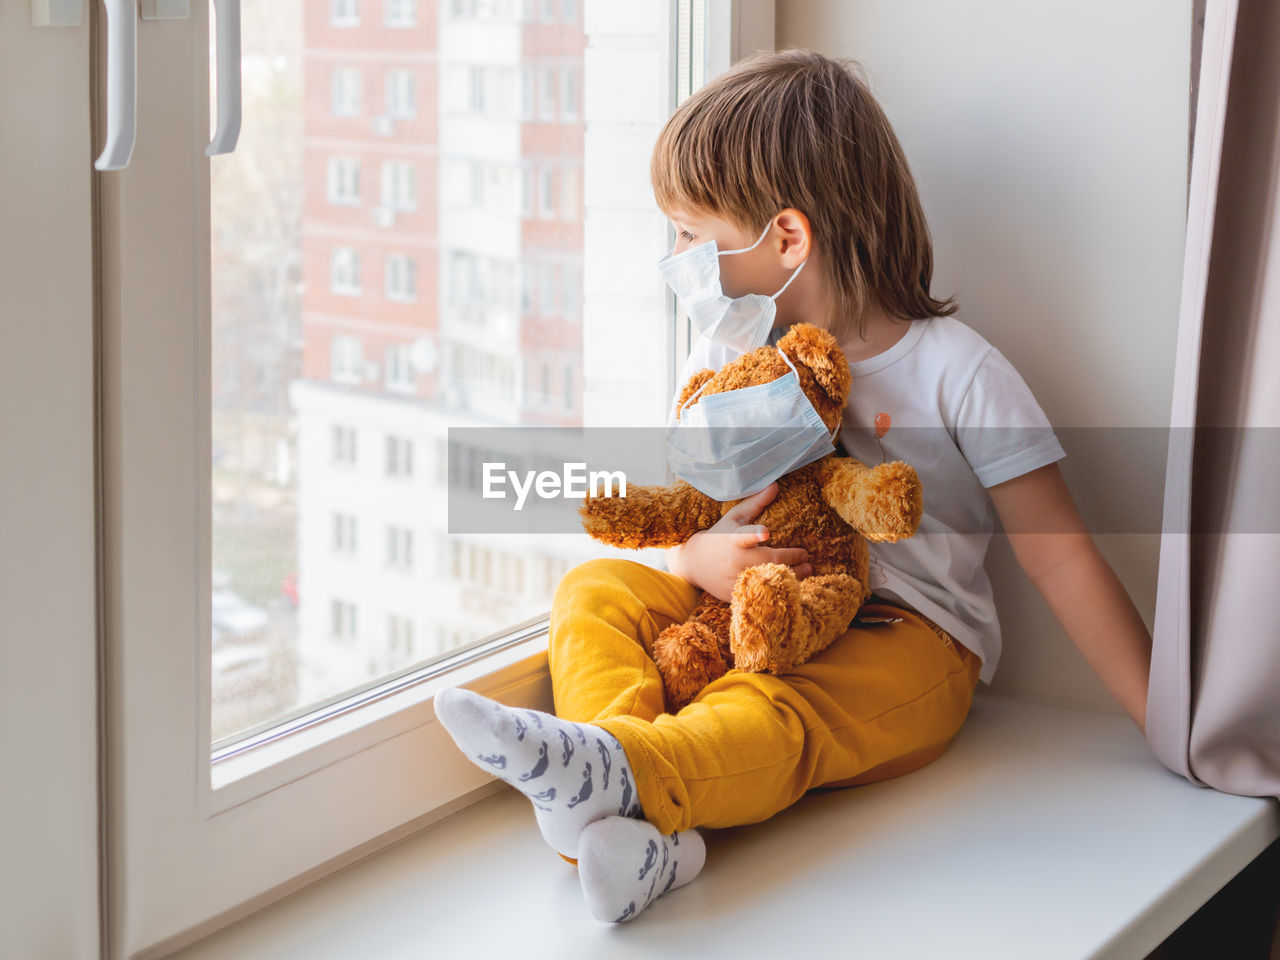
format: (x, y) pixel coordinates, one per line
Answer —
(712, 559)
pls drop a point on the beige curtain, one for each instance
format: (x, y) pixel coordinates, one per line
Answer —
(1213, 711)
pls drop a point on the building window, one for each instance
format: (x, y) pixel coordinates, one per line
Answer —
(569, 387)
(400, 13)
(344, 445)
(345, 358)
(344, 180)
(570, 290)
(399, 372)
(343, 620)
(528, 191)
(547, 193)
(546, 93)
(569, 94)
(475, 88)
(571, 194)
(400, 92)
(399, 548)
(400, 277)
(547, 289)
(399, 185)
(344, 92)
(344, 534)
(399, 457)
(527, 92)
(399, 639)
(344, 13)
(569, 10)
(344, 271)
(548, 8)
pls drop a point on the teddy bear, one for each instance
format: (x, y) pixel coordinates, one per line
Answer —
(831, 507)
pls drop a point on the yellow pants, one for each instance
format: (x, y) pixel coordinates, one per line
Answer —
(881, 701)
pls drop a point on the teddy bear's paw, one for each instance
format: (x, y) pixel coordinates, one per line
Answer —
(890, 502)
(764, 612)
(829, 603)
(688, 656)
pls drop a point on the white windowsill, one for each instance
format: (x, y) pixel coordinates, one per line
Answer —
(379, 714)
(1042, 831)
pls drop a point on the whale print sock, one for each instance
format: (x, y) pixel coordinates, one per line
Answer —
(574, 773)
(625, 865)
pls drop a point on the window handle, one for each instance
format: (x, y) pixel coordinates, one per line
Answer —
(228, 131)
(122, 84)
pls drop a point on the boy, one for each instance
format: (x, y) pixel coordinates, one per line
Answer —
(789, 165)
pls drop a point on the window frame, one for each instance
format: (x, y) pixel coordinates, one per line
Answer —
(287, 789)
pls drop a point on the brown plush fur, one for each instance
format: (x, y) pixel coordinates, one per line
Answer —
(830, 508)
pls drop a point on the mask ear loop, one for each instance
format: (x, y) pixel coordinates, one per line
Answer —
(754, 245)
(834, 430)
(692, 398)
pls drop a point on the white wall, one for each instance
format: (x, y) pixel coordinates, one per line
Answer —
(1049, 142)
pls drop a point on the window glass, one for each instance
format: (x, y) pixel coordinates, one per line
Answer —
(382, 270)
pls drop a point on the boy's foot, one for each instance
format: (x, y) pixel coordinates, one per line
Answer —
(573, 773)
(625, 865)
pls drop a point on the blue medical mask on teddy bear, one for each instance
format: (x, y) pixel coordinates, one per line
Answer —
(741, 323)
(734, 444)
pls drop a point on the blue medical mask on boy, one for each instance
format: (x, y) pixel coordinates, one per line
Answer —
(731, 445)
(741, 323)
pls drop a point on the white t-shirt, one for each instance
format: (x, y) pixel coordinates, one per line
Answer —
(964, 418)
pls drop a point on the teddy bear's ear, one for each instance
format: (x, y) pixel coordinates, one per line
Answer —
(690, 388)
(817, 349)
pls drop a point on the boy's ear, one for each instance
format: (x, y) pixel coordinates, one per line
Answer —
(816, 349)
(796, 239)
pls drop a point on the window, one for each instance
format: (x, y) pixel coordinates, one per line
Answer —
(570, 290)
(475, 88)
(342, 620)
(569, 93)
(400, 277)
(569, 10)
(399, 185)
(399, 372)
(399, 639)
(270, 262)
(547, 289)
(546, 93)
(527, 92)
(569, 387)
(344, 13)
(399, 548)
(400, 13)
(344, 181)
(399, 457)
(344, 534)
(344, 92)
(528, 191)
(547, 193)
(400, 94)
(344, 271)
(343, 448)
(548, 11)
(345, 358)
(571, 194)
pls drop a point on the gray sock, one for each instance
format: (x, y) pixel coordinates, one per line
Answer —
(625, 865)
(573, 773)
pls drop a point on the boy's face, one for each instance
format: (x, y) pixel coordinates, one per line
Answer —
(763, 270)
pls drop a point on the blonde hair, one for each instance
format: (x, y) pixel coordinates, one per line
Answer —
(797, 129)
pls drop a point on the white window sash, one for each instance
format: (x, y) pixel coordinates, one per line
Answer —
(291, 787)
